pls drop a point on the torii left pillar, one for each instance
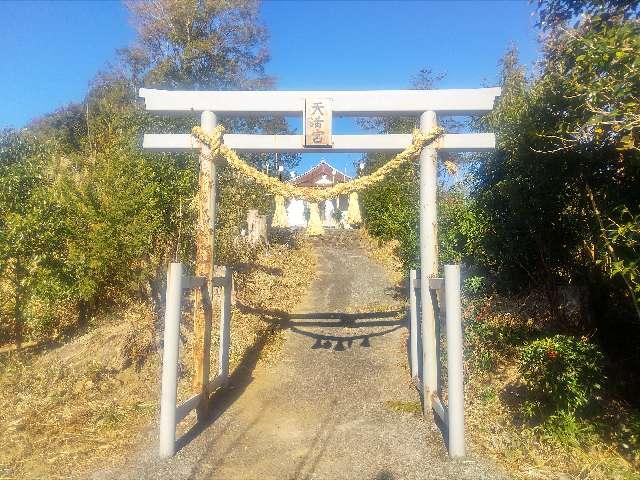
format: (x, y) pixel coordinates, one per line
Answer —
(205, 235)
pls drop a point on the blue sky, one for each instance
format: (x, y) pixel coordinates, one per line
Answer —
(52, 50)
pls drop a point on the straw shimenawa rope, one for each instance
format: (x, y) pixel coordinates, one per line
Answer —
(313, 195)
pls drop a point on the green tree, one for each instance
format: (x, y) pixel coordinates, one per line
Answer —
(555, 14)
(563, 172)
(198, 44)
(560, 194)
(111, 215)
(33, 234)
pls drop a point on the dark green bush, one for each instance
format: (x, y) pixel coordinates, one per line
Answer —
(562, 373)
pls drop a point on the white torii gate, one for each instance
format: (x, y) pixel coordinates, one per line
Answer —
(428, 104)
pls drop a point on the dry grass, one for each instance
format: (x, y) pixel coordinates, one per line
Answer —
(494, 394)
(80, 406)
(385, 254)
(65, 408)
(277, 283)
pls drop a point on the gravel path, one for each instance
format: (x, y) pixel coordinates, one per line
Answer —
(331, 407)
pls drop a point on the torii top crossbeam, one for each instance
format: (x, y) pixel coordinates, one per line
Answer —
(342, 103)
(462, 101)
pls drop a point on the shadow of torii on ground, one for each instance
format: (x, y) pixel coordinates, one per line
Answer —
(299, 323)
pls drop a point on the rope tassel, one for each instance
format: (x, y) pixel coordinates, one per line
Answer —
(353, 210)
(280, 219)
(314, 227)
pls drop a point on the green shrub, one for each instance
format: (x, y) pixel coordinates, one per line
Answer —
(562, 374)
(566, 428)
(391, 211)
(474, 285)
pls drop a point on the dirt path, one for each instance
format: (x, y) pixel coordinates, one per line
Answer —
(332, 405)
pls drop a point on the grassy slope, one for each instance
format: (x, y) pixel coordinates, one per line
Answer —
(602, 446)
(77, 407)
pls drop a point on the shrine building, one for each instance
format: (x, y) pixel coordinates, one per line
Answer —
(324, 175)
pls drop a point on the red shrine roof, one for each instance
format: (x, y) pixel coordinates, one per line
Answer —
(322, 175)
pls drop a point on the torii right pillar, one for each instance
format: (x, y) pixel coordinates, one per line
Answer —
(428, 259)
